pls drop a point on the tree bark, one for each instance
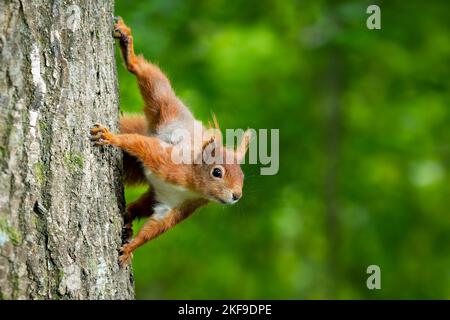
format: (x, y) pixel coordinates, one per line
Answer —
(61, 198)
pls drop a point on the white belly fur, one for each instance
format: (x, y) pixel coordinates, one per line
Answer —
(168, 195)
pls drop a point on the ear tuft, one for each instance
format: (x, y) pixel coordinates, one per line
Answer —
(214, 124)
(243, 147)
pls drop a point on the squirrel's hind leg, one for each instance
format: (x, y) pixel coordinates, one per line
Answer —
(123, 33)
(161, 104)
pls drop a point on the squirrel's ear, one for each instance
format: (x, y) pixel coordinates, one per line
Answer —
(208, 151)
(210, 144)
(243, 147)
(213, 138)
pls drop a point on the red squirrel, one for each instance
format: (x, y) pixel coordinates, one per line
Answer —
(176, 190)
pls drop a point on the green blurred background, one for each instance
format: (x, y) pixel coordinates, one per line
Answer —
(364, 147)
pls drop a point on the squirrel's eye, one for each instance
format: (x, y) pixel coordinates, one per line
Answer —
(217, 172)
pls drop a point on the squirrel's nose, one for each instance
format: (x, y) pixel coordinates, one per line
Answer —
(237, 196)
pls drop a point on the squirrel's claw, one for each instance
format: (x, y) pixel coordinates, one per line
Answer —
(121, 31)
(98, 127)
(100, 142)
(100, 135)
(124, 260)
(117, 34)
(126, 256)
(117, 19)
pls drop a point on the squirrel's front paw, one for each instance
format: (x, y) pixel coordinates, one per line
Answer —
(125, 256)
(100, 135)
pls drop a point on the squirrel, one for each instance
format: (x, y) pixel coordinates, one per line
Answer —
(176, 190)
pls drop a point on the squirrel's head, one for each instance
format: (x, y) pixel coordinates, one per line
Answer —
(219, 177)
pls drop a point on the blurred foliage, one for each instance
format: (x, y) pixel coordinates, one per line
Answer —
(364, 147)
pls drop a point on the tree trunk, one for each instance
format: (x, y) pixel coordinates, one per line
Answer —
(61, 198)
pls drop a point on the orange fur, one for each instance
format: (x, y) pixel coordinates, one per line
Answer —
(153, 227)
(133, 173)
(177, 190)
(161, 103)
